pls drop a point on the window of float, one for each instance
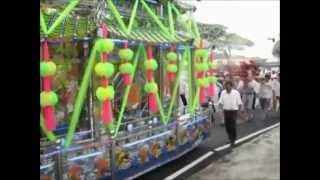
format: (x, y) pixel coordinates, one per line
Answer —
(69, 56)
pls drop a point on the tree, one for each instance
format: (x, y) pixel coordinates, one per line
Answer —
(218, 36)
(276, 49)
(211, 32)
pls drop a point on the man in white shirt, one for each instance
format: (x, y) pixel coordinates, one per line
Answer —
(230, 101)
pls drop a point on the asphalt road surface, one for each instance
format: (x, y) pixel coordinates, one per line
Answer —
(218, 138)
(254, 160)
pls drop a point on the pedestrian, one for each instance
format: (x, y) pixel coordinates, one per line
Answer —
(221, 81)
(247, 95)
(276, 92)
(266, 94)
(256, 87)
(230, 102)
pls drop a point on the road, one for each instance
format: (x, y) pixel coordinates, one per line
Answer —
(218, 138)
(256, 159)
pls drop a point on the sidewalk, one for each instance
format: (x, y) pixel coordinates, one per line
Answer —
(256, 159)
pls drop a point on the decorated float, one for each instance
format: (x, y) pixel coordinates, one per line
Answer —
(112, 73)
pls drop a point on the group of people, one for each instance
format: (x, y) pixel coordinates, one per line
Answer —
(242, 97)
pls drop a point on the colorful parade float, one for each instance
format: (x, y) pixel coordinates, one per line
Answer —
(112, 76)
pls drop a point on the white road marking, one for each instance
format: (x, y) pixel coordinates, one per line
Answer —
(222, 147)
(247, 137)
(256, 133)
(208, 154)
(189, 166)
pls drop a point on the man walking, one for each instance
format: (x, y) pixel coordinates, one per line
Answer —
(266, 95)
(230, 101)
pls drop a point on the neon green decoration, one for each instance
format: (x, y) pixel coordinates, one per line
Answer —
(172, 68)
(190, 74)
(126, 54)
(111, 127)
(43, 68)
(47, 68)
(155, 18)
(172, 56)
(151, 87)
(126, 68)
(81, 96)
(175, 88)
(173, 7)
(104, 69)
(159, 104)
(213, 79)
(48, 98)
(201, 53)
(63, 15)
(127, 90)
(105, 93)
(203, 82)
(117, 16)
(104, 45)
(201, 67)
(171, 23)
(150, 64)
(133, 15)
(195, 100)
(213, 65)
(43, 25)
(195, 27)
(50, 135)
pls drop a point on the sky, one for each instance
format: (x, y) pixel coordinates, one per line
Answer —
(256, 20)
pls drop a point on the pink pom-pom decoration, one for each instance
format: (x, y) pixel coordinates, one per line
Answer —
(45, 51)
(153, 102)
(49, 118)
(211, 90)
(202, 95)
(171, 76)
(126, 79)
(106, 113)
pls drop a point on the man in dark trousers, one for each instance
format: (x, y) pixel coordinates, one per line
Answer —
(230, 102)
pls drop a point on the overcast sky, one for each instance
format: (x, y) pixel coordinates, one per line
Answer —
(256, 20)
